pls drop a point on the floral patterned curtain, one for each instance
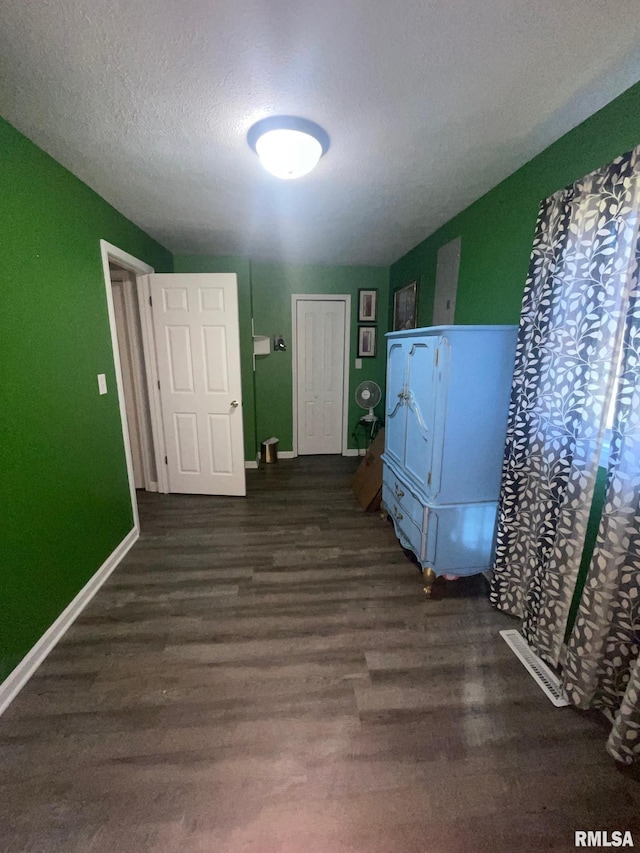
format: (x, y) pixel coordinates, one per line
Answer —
(601, 666)
(574, 306)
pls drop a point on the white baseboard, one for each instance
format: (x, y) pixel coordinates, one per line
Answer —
(252, 463)
(290, 454)
(17, 679)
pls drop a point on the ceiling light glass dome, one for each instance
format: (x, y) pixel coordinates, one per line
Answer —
(288, 147)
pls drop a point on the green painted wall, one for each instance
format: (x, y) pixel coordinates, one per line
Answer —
(497, 230)
(63, 491)
(272, 286)
(242, 267)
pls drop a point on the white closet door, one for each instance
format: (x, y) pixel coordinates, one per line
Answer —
(197, 339)
(320, 330)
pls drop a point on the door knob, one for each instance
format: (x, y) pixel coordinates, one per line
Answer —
(234, 404)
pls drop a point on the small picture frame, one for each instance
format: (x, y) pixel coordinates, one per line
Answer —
(367, 341)
(405, 307)
(367, 305)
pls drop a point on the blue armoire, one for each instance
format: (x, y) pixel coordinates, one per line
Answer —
(448, 390)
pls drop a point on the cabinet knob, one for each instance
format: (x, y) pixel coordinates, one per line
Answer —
(399, 492)
(397, 514)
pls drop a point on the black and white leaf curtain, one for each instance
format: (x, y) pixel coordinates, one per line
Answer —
(580, 300)
(601, 665)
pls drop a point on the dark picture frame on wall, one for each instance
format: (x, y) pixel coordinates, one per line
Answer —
(367, 341)
(405, 307)
(367, 305)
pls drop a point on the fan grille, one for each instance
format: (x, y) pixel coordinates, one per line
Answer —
(368, 394)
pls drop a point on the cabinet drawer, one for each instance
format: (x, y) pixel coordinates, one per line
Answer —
(410, 535)
(406, 500)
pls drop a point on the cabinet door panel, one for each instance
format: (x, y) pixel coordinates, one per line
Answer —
(396, 414)
(420, 409)
(439, 423)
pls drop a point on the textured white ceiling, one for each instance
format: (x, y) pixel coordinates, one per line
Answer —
(428, 104)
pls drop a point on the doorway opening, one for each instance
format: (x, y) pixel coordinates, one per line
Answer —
(134, 381)
(129, 343)
(176, 351)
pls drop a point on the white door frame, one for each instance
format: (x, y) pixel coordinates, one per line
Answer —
(109, 252)
(321, 297)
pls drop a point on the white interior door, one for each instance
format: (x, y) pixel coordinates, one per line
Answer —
(195, 319)
(320, 335)
(447, 268)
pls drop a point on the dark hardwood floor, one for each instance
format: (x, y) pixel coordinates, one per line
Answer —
(264, 674)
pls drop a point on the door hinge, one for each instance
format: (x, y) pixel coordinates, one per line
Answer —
(158, 384)
(429, 479)
(151, 301)
(166, 461)
(437, 356)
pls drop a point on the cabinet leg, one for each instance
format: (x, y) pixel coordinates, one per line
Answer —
(428, 576)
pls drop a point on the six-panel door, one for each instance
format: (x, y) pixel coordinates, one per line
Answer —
(198, 354)
(320, 326)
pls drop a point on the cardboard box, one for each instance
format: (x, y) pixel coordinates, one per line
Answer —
(367, 481)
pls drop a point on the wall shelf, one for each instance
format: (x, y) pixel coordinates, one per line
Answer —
(261, 344)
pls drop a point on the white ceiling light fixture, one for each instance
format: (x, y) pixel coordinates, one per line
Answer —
(288, 147)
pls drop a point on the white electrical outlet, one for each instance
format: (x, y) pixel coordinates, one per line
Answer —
(102, 383)
(358, 364)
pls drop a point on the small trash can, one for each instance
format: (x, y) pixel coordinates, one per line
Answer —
(269, 450)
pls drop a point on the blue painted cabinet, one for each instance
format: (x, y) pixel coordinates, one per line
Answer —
(448, 391)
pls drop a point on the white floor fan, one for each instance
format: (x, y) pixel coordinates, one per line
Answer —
(368, 395)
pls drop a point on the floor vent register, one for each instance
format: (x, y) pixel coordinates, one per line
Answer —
(544, 677)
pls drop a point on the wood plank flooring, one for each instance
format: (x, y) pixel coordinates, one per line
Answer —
(264, 674)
